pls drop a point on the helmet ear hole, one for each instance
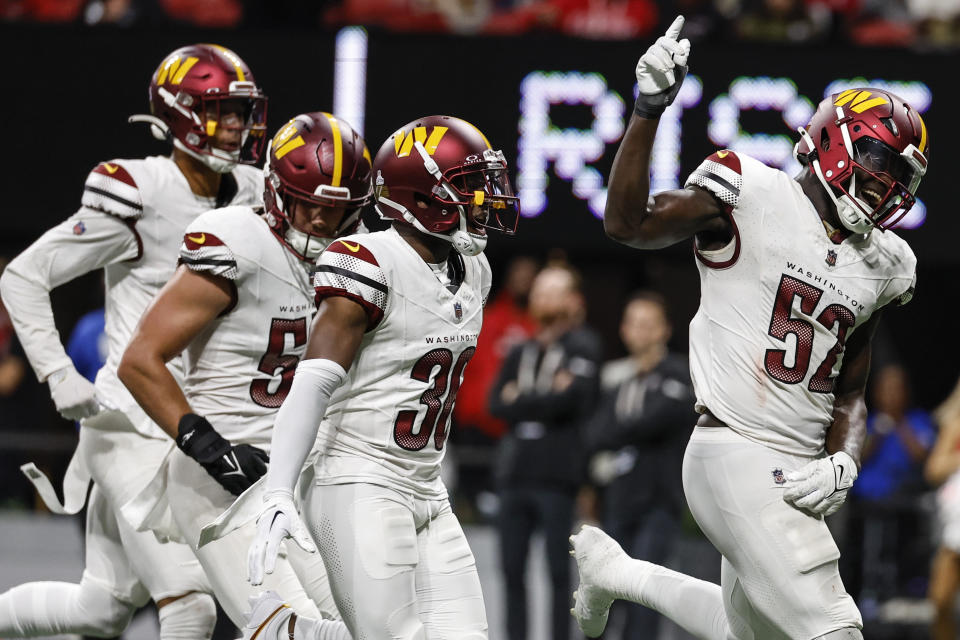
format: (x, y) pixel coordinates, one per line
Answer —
(824, 139)
(421, 200)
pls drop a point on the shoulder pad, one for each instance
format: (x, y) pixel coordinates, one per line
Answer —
(347, 268)
(721, 175)
(204, 251)
(110, 188)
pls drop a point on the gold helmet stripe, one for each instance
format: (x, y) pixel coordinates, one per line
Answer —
(337, 150)
(234, 60)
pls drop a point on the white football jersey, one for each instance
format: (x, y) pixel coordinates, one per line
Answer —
(388, 422)
(152, 195)
(778, 304)
(239, 370)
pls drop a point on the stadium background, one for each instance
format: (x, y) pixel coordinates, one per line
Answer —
(68, 90)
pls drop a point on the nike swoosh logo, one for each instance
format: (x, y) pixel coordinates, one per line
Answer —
(200, 239)
(111, 168)
(722, 154)
(353, 247)
(231, 460)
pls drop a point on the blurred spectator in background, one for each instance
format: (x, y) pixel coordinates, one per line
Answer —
(87, 345)
(884, 505)
(11, 365)
(943, 470)
(506, 323)
(939, 22)
(637, 435)
(545, 392)
(883, 23)
(783, 21)
(898, 439)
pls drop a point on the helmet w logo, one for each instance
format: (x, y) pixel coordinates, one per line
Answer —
(403, 141)
(858, 100)
(174, 71)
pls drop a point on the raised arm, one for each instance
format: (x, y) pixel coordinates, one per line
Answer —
(632, 216)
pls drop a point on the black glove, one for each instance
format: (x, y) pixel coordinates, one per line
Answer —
(234, 467)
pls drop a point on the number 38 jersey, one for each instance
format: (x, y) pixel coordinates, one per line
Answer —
(240, 368)
(778, 304)
(389, 420)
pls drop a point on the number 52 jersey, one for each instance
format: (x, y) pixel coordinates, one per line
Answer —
(389, 420)
(778, 304)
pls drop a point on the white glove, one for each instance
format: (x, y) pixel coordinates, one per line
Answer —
(661, 70)
(821, 486)
(74, 395)
(278, 520)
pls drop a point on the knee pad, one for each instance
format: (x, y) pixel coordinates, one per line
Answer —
(188, 618)
(849, 633)
(106, 614)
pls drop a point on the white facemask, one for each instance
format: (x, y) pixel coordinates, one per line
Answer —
(305, 244)
(217, 160)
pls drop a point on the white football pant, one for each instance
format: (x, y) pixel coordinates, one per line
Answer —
(399, 566)
(779, 576)
(197, 499)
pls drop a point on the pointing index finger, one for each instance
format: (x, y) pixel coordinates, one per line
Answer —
(674, 31)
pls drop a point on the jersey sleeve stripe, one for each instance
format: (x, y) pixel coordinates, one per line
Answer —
(208, 261)
(217, 260)
(106, 194)
(346, 273)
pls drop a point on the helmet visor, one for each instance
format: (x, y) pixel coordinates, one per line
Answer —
(250, 117)
(882, 160)
(485, 184)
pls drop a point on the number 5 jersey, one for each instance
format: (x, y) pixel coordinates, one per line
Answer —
(240, 368)
(389, 420)
(778, 304)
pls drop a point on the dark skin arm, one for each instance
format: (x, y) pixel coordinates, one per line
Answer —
(338, 328)
(634, 218)
(181, 311)
(849, 428)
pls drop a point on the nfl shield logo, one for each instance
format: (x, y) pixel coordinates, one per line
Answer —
(778, 476)
(79, 228)
(831, 257)
(457, 310)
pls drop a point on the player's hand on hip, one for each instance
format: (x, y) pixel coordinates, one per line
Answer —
(74, 396)
(278, 520)
(821, 486)
(661, 70)
(236, 468)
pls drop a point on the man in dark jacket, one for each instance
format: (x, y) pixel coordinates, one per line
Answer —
(636, 437)
(545, 392)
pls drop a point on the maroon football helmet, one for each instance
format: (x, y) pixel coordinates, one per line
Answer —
(188, 93)
(319, 159)
(874, 131)
(431, 171)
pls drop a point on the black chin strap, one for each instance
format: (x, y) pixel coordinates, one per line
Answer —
(228, 190)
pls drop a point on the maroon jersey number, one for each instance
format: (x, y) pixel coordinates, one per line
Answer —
(783, 324)
(439, 399)
(274, 362)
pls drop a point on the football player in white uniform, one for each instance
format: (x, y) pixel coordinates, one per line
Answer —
(401, 310)
(794, 274)
(239, 307)
(204, 99)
